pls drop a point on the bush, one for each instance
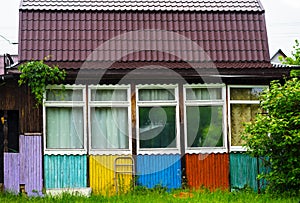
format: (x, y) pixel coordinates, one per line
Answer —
(275, 135)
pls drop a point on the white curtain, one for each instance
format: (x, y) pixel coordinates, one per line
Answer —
(64, 128)
(109, 127)
(203, 94)
(156, 95)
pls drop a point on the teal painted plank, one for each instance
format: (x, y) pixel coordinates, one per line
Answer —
(65, 171)
(265, 170)
(243, 171)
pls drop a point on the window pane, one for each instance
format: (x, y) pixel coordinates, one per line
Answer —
(64, 95)
(241, 113)
(204, 126)
(108, 95)
(245, 93)
(64, 128)
(156, 94)
(157, 127)
(109, 128)
(203, 94)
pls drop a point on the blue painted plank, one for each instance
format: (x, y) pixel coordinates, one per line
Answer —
(65, 171)
(159, 170)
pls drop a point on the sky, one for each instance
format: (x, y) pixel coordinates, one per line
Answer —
(282, 17)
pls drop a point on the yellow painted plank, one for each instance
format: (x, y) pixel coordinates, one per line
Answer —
(101, 172)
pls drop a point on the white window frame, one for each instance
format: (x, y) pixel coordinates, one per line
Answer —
(126, 104)
(174, 103)
(222, 102)
(239, 148)
(65, 104)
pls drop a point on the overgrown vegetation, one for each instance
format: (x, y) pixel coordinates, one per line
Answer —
(38, 75)
(142, 195)
(275, 136)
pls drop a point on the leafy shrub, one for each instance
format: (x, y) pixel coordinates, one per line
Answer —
(275, 135)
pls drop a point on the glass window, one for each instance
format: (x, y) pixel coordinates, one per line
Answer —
(109, 119)
(109, 128)
(64, 95)
(157, 118)
(64, 128)
(108, 95)
(64, 112)
(204, 126)
(243, 107)
(157, 127)
(240, 114)
(156, 94)
(204, 117)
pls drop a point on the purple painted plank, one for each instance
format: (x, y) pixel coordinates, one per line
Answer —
(11, 172)
(31, 164)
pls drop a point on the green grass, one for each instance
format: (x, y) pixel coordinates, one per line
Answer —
(146, 196)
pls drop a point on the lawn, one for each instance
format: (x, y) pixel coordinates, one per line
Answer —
(146, 196)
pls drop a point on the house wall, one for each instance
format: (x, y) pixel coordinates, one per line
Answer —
(243, 171)
(159, 170)
(102, 176)
(65, 171)
(207, 170)
(24, 169)
(15, 97)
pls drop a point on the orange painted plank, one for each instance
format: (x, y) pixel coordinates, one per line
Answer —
(208, 170)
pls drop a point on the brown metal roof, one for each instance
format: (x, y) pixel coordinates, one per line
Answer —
(70, 36)
(143, 5)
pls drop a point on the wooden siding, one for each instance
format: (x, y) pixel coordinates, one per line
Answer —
(207, 170)
(101, 175)
(11, 172)
(31, 164)
(15, 97)
(25, 167)
(243, 171)
(159, 170)
(65, 171)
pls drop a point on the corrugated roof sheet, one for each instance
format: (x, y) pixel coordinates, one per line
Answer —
(70, 36)
(144, 5)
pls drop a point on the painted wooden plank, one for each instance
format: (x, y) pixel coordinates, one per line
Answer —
(11, 172)
(243, 171)
(159, 170)
(101, 174)
(31, 164)
(65, 171)
(207, 170)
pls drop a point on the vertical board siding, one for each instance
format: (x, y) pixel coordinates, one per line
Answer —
(12, 172)
(65, 171)
(101, 175)
(159, 170)
(263, 169)
(207, 170)
(243, 171)
(31, 164)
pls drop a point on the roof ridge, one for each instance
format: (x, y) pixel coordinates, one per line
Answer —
(144, 5)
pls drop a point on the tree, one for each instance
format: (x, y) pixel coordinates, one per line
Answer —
(275, 134)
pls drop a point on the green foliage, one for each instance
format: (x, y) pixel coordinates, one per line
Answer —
(38, 75)
(275, 135)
